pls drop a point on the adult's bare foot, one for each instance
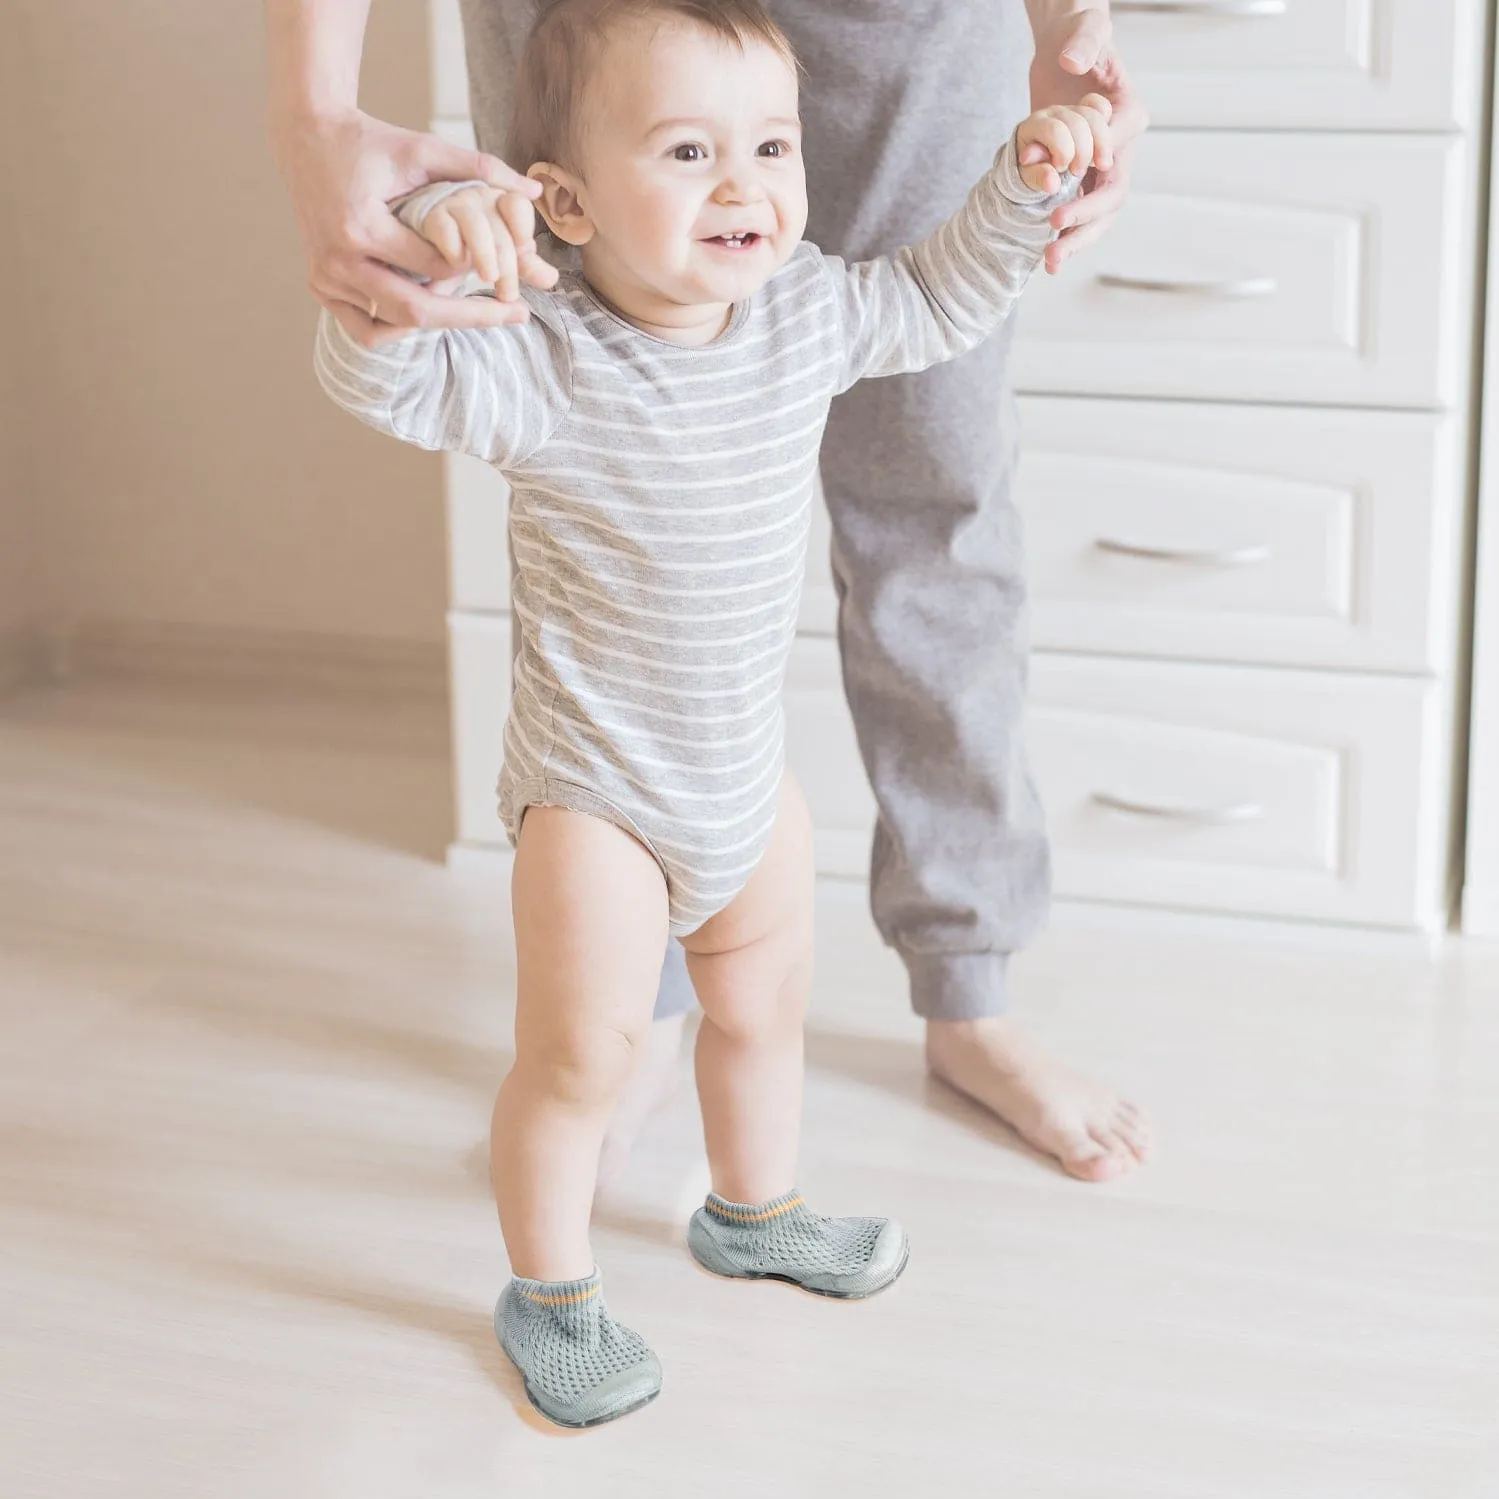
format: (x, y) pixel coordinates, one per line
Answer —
(651, 1084)
(1087, 1128)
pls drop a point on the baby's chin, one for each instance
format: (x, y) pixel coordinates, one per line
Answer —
(721, 279)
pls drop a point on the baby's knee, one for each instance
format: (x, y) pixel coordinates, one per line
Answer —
(755, 1005)
(581, 1065)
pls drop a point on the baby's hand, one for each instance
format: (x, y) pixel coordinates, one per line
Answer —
(492, 233)
(1064, 138)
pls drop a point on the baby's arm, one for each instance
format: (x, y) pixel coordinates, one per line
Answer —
(496, 393)
(944, 296)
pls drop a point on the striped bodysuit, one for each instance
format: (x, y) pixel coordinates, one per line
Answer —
(661, 498)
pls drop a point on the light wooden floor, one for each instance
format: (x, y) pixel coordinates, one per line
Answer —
(251, 1032)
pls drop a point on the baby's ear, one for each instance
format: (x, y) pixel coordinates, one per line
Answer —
(561, 203)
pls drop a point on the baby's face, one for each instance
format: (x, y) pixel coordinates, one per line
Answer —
(691, 167)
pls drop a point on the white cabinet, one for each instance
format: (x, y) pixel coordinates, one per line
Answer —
(1305, 64)
(1246, 432)
(479, 665)
(1270, 267)
(1480, 907)
(1281, 793)
(1275, 534)
(1480, 903)
(478, 553)
(1278, 793)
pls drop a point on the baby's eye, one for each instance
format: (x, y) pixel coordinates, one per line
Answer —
(690, 151)
(775, 148)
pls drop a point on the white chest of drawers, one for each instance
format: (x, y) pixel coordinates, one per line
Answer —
(1246, 418)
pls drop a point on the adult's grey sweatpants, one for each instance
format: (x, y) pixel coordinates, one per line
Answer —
(904, 104)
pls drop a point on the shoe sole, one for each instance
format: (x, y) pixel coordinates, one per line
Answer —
(546, 1415)
(788, 1280)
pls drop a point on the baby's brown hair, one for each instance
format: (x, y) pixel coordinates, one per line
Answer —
(563, 49)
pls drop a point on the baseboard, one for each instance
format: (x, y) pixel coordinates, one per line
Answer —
(487, 860)
(240, 658)
(1481, 911)
(493, 861)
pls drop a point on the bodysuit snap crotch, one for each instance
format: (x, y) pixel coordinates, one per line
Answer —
(700, 881)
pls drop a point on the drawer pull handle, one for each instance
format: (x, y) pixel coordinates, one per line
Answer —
(1234, 291)
(1237, 812)
(1231, 9)
(1249, 556)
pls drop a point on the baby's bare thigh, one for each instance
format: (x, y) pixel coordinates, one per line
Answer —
(763, 937)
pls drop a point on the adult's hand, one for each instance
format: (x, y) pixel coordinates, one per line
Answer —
(341, 170)
(1075, 56)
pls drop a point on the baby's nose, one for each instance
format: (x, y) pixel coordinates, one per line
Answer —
(739, 187)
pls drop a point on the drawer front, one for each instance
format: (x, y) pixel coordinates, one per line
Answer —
(479, 663)
(1243, 533)
(1233, 789)
(1320, 269)
(1242, 789)
(1305, 64)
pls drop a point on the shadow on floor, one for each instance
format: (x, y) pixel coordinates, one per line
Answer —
(898, 1068)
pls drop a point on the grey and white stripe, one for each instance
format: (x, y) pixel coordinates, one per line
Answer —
(661, 498)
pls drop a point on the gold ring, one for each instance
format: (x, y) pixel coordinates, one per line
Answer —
(374, 311)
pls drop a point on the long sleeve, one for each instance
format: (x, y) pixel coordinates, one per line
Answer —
(942, 297)
(495, 393)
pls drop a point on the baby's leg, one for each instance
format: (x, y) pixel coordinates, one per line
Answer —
(590, 926)
(752, 968)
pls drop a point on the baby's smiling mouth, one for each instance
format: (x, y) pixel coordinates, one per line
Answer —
(745, 240)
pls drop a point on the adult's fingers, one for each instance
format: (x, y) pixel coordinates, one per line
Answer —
(406, 305)
(1085, 41)
(1130, 118)
(1069, 244)
(396, 245)
(1105, 197)
(451, 163)
(361, 327)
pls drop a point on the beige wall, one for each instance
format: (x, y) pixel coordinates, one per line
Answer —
(190, 470)
(18, 545)
(18, 550)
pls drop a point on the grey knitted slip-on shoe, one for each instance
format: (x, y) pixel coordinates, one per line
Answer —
(849, 1258)
(580, 1367)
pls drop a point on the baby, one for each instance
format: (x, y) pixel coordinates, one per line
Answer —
(657, 414)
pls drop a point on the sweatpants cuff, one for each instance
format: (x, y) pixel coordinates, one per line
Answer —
(958, 986)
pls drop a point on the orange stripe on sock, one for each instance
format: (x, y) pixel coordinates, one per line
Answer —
(761, 1216)
(568, 1299)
